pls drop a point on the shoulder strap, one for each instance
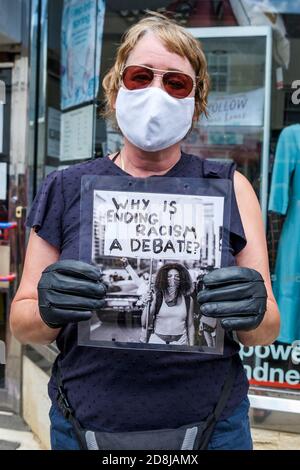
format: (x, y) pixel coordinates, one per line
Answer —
(115, 157)
(215, 415)
(68, 411)
(187, 300)
(210, 422)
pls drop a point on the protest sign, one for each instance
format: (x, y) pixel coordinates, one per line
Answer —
(153, 240)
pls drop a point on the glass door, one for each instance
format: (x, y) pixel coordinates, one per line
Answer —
(238, 125)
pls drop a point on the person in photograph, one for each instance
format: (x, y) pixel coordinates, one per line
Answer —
(168, 313)
(155, 93)
(207, 328)
(193, 268)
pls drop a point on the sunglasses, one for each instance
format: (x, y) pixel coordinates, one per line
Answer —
(176, 84)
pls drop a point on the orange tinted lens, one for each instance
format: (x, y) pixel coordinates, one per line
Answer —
(178, 85)
(135, 77)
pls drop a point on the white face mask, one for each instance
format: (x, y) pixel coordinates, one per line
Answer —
(151, 119)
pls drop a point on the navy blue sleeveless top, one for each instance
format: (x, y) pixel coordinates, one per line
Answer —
(119, 390)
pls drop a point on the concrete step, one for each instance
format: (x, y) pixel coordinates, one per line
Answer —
(7, 445)
(15, 434)
(12, 421)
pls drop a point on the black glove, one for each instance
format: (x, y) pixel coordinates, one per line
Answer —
(235, 295)
(68, 290)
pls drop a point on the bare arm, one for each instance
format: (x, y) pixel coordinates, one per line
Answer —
(136, 279)
(25, 321)
(255, 255)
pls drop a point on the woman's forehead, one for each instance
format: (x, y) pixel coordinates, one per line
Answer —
(151, 51)
(173, 271)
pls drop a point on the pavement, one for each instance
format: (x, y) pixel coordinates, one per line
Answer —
(15, 434)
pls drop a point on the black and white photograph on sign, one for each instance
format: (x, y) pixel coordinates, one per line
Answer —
(153, 250)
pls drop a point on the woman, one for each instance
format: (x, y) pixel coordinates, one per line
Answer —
(157, 87)
(170, 317)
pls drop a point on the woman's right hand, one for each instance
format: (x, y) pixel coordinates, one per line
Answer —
(147, 297)
(68, 291)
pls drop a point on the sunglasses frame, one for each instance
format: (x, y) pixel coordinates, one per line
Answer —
(160, 75)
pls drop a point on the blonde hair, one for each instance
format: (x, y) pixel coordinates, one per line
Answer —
(176, 39)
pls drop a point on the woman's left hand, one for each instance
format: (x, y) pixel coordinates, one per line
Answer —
(235, 295)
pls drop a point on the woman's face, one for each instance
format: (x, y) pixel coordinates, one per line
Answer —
(173, 278)
(150, 51)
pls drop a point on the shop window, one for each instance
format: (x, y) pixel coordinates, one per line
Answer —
(219, 69)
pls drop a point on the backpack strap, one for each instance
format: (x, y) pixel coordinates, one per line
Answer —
(187, 300)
